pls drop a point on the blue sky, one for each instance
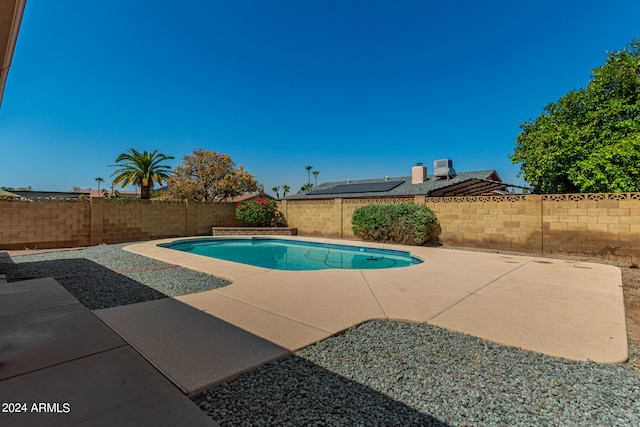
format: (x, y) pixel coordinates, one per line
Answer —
(357, 89)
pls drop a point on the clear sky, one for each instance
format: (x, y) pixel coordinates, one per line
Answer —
(357, 89)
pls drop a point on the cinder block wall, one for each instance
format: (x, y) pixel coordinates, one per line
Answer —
(605, 226)
(134, 220)
(58, 224)
(44, 224)
(317, 217)
(202, 217)
(491, 222)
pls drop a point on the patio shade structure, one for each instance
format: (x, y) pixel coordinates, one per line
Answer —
(470, 187)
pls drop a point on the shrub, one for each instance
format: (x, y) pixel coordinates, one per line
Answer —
(259, 212)
(406, 223)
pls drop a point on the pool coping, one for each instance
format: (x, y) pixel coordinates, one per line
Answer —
(562, 308)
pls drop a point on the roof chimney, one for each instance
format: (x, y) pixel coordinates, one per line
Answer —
(418, 174)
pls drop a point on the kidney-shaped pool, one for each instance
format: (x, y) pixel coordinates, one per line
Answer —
(280, 254)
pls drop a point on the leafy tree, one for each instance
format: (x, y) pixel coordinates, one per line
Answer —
(589, 140)
(315, 176)
(209, 176)
(142, 169)
(285, 190)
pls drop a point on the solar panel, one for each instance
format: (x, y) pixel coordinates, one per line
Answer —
(365, 187)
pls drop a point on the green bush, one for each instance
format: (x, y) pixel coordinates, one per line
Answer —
(406, 223)
(259, 212)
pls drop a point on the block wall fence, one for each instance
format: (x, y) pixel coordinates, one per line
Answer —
(605, 226)
(61, 223)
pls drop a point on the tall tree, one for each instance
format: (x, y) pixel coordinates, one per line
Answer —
(308, 168)
(99, 180)
(315, 176)
(589, 140)
(209, 176)
(142, 169)
(285, 190)
(276, 190)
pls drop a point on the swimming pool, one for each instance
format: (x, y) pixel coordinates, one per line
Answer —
(280, 254)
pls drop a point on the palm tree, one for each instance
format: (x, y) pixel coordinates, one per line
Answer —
(308, 168)
(285, 190)
(99, 179)
(143, 169)
(275, 190)
(315, 176)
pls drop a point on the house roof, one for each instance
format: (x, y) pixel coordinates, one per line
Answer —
(96, 193)
(48, 194)
(11, 12)
(248, 196)
(463, 184)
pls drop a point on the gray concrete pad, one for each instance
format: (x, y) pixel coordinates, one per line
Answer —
(62, 366)
(116, 387)
(192, 348)
(30, 295)
(34, 340)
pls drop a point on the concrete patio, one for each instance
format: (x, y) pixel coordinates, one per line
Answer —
(561, 308)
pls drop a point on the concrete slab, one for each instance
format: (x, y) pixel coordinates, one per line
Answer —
(35, 294)
(535, 309)
(421, 292)
(192, 348)
(116, 387)
(331, 300)
(522, 301)
(35, 340)
(283, 331)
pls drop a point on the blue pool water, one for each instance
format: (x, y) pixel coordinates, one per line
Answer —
(279, 254)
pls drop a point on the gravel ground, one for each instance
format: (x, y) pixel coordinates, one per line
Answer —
(388, 373)
(106, 276)
(382, 373)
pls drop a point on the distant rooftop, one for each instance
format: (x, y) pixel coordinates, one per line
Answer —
(462, 184)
